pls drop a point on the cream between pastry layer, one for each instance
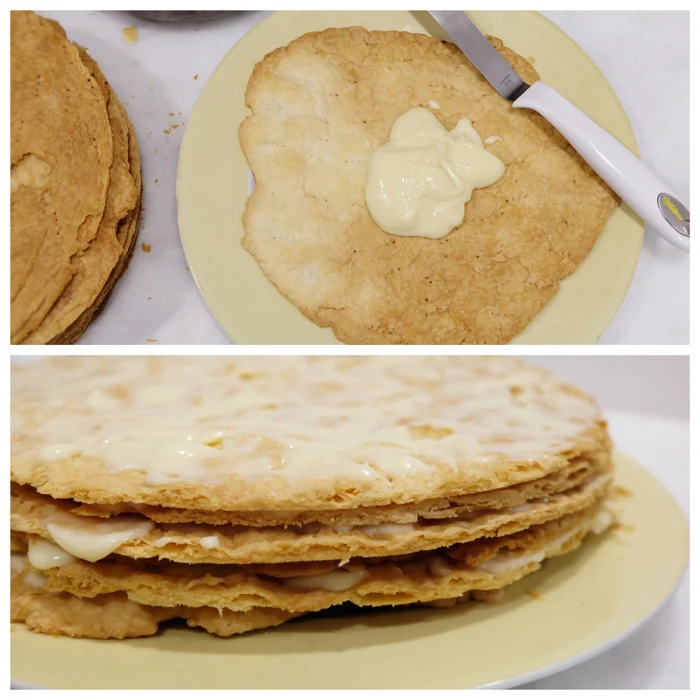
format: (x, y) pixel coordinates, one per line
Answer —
(438, 566)
(92, 538)
(99, 537)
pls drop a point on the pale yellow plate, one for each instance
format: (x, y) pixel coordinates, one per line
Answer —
(213, 179)
(591, 600)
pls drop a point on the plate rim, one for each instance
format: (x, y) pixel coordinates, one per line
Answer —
(241, 330)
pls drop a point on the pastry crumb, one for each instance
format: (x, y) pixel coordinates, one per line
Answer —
(171, 114)
(531, 59)
(622, 526)
(149, 298)
(196, 76)
(622, 491)
(146, 247)
(174, 126)
(166, 131)
(535, 593)
(152, 340)
(155, 182)
(130, 34)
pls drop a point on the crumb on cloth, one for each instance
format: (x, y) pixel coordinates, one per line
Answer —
(146, 247)
(130, 34)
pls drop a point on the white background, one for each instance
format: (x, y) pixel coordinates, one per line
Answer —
(646, 402)
(644, 55)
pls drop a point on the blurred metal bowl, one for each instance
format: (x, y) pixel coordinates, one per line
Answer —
(182, 15)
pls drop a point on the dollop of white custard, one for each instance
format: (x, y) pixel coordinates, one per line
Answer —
(419, 181)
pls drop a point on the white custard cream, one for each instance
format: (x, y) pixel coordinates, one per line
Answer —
(93, 539)
(43, 554)
(333, 581)
(419, 181)
(504, 563)
(388, 529)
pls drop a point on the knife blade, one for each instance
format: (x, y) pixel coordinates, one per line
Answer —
(633, 181)
(477, 48)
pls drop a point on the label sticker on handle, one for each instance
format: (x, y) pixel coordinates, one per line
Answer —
(675, 213)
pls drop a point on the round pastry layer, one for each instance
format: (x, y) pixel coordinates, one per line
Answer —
(293, 433)
(99, 266)
(575, 473)
(61, 153)
(451, 572)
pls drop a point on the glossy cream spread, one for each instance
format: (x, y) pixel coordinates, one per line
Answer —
(377, 418)
(419, 181)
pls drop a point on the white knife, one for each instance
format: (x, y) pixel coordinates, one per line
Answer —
(643, 191)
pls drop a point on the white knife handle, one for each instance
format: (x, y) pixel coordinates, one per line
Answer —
(619, 167)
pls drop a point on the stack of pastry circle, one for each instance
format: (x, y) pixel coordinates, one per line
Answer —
(75, 184)
(237, 493)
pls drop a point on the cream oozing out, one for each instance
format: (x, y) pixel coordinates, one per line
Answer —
(201, 419)
(43, 554)
(96, 539)
(79, 537)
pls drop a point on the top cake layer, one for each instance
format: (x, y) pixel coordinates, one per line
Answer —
(291, 432)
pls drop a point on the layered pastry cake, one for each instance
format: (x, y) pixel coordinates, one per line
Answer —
(238, 493)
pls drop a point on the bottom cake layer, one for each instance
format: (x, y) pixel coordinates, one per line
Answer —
(114, 616)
